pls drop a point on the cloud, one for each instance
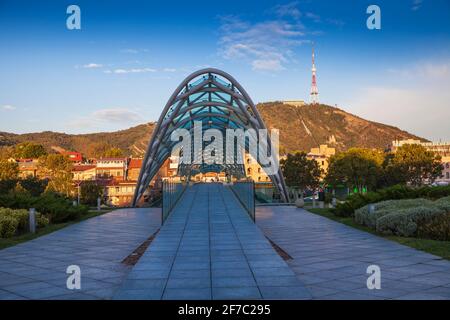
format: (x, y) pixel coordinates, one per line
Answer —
(287, 10)
(417, 100)
(107, 116)
(92, 66)
(425, 70)
(133, 51)
(266, 45)
(267, 65)
(133, 70)
(116, 115)
(8, 107)
(416, 5)
(169, 70)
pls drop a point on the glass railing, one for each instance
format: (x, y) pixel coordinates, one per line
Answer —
(267, 193)
(245, 192)
(171, 193)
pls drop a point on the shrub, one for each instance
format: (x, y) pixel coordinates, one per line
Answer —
(8, 226)
(443, 203)
(362, 215)
(56, 208)
(343, 209)
(21, 219)
(404, 222)
(437, 228)
(397, 192)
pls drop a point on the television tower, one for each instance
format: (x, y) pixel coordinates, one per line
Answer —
(314, 95)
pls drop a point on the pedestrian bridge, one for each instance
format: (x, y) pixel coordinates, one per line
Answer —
(210, 248)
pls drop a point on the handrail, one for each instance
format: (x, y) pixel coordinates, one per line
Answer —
(171, 193)
(245, 193)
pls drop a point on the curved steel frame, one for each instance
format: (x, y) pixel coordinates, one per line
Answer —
(208, 94)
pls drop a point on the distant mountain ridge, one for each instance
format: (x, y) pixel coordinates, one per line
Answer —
(301, 128)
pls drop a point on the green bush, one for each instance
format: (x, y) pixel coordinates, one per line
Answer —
(56, 208)
(8, 226)
(404, 222)
(397, 192)
(21, 221)
(362, 215)
(443, 203)
(437, 228)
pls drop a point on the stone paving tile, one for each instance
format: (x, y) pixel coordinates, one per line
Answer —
(212, 249)
(37, 269)
(236, 293)
(332, 258)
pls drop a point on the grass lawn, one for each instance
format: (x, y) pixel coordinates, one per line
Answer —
(438, 248)
(8, 242)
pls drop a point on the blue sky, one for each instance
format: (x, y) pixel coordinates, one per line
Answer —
(128, 57)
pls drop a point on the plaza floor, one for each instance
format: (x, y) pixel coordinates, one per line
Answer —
(209, 248)
(332, 259)
(37, 269)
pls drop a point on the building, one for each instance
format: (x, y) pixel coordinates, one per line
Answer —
(253, 170)
(73, 156)
(134, 168)
(27, 167)
(295, 103)
(84, 172)
(119, 193)
(322, 156)
(112, 168)
(440, 148)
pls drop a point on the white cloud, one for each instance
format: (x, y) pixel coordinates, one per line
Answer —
(425, 70)
(107, 116)
(116, 115)
(267, 65)
(416, 5)
(8, 107)
(262, 44)
(288, 10)
(92, 65)
(419, 103)
(133, 70)
(133, 51)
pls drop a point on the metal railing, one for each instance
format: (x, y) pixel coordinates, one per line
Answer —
(171, 193)
(245, 193)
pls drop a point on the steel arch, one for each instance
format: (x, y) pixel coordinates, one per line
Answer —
(208, 94)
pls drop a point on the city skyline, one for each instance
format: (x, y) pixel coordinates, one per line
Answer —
(110, 76)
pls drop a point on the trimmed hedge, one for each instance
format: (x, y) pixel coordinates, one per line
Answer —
(356, 201)
(56, 208)
(405, 222)
(408, 218)
(14, 221)
(362, 215)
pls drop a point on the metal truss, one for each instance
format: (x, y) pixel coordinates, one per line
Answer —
(217, 100)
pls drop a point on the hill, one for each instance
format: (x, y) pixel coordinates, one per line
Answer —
(301, 128)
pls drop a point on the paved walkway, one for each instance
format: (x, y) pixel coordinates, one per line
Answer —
(37, 269)
(209, 248)
(332, 259)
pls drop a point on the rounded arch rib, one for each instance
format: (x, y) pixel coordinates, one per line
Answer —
(211, 95)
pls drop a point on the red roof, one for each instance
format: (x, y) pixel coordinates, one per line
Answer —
(73, 155)
(135, 163)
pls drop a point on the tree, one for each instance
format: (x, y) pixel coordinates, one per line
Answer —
(414, 164)
(113, 152)
(355, 168)
(29, 150)
(301, 172)
(8, 170)
(89, 192)
(58, 169)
